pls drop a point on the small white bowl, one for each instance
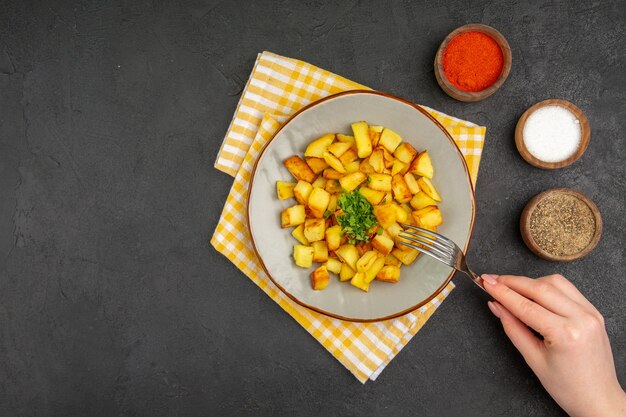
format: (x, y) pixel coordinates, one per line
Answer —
(582, 146)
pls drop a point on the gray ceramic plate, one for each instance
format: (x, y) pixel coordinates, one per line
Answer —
(419, 282)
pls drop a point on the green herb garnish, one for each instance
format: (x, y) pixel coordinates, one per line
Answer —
(327, 214)
(358, 218)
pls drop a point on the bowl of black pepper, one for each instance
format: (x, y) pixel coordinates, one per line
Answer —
(561, 225)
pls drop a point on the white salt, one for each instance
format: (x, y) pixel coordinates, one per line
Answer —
(552, 134)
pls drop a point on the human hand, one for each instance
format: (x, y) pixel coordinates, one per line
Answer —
(574, 361)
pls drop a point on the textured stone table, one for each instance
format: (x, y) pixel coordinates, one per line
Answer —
(111, 114)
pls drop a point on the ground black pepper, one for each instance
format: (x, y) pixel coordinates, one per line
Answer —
(562, 225)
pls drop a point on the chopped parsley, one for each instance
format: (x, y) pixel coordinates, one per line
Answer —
(357, 219)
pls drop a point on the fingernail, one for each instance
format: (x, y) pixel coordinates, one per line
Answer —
(489, 278)
(494, 308)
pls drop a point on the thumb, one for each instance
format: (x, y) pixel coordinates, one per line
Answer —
(522, 338)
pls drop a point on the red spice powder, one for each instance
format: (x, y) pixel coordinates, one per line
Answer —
(472, 61)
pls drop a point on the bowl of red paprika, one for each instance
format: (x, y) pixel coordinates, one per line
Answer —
(473, 62)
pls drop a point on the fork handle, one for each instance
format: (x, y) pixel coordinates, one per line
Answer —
(475, 278)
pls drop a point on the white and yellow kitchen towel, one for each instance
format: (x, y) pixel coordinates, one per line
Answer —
(277, 88)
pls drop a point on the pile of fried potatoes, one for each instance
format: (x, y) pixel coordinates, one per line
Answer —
(392, 175)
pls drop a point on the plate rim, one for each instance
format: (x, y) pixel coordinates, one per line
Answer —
(465, 168)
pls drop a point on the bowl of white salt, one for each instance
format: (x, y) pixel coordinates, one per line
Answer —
(552, 134)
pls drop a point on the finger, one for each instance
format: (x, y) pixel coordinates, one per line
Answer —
(543, 292)
(522, 338)
(529, 312)
(570, 290)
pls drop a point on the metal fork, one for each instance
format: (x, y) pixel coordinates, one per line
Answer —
(439, 247)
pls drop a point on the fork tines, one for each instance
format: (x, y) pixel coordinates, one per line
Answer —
(430, 243)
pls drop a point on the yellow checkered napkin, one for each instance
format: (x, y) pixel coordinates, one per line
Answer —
(278, 87)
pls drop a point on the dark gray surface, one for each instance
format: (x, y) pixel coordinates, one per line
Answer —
(111, 114)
